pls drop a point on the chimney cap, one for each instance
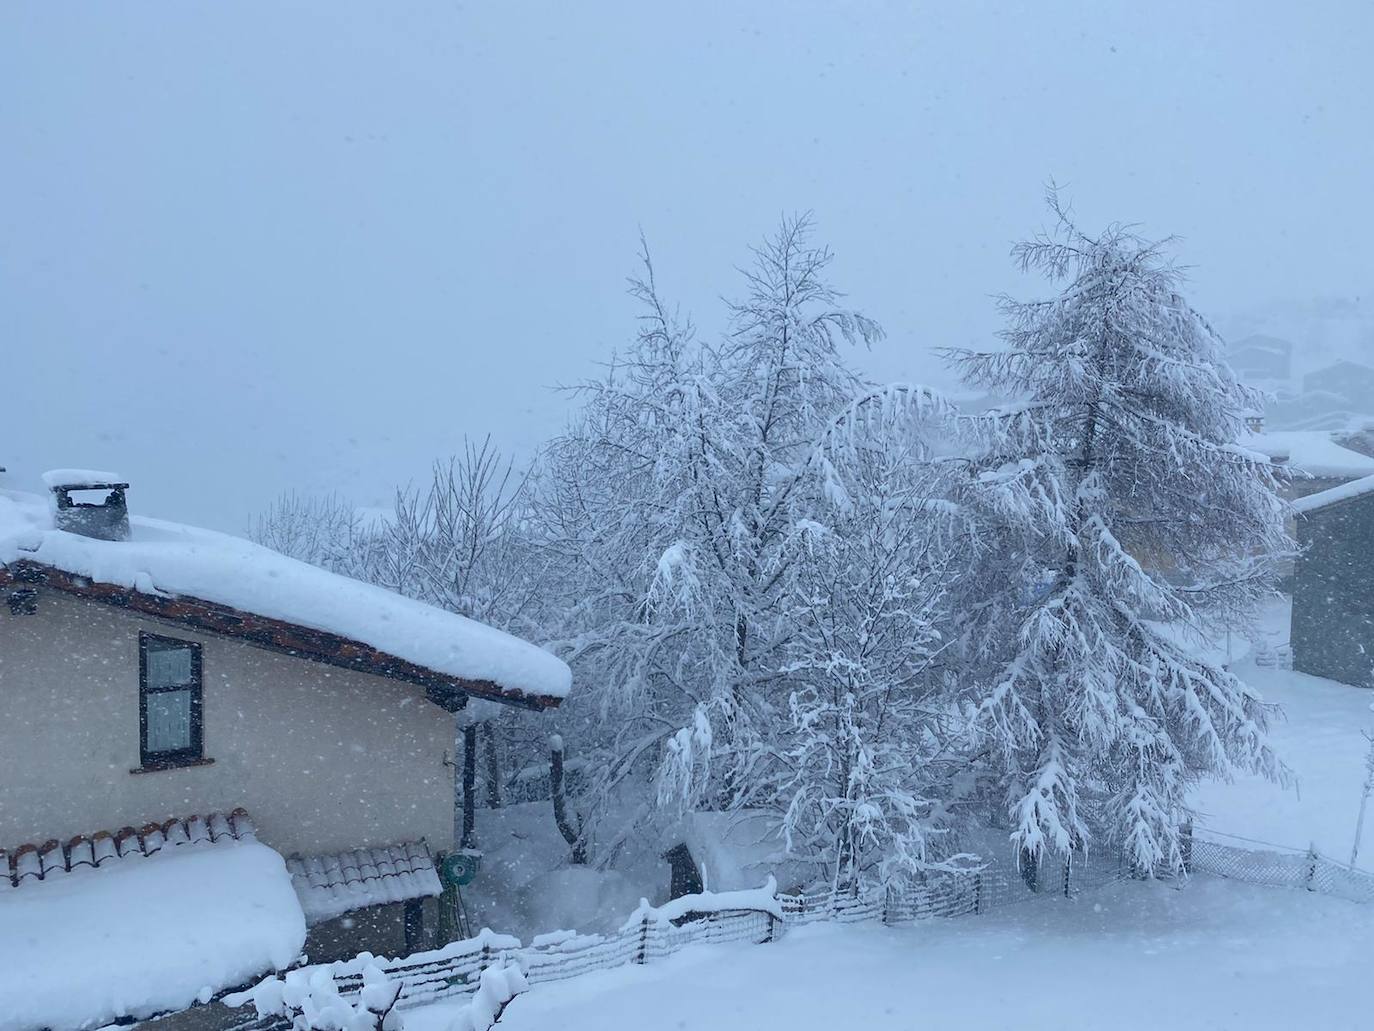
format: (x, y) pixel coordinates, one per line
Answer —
(83, 479)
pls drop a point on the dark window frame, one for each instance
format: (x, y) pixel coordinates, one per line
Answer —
(195, 754)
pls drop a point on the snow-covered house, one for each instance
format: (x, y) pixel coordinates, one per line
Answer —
(153, 675)
(1333, 584)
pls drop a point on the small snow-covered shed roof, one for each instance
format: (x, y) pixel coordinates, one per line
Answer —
(137, 934)
(215, 582)
(739, 850)
(1334, 495)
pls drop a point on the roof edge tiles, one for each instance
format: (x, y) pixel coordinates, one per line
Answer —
(51, 859)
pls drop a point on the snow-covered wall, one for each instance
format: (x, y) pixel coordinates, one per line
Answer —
(325, 759)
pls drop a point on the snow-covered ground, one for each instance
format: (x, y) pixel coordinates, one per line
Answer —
(1215, 954)
(1321, 741)
(526, 885)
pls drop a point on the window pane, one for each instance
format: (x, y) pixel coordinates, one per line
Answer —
(169, 721)
(169, 666)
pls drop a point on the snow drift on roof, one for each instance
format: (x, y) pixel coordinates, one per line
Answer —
(144, 935)
(1344, 492)
(1313, 452)
(170, 559)
(71, 477)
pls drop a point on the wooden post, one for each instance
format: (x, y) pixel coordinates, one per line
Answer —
(469, 839)
(1186, 846)
(414, 925)
(643, 940)
(493, 766)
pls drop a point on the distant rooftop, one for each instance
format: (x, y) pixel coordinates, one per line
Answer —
(1314, 452)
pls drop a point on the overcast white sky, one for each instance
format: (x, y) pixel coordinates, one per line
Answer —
(246, 247)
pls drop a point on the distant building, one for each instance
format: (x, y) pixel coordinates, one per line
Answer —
(1333, 584)
(1350, 382)
(1262, 359)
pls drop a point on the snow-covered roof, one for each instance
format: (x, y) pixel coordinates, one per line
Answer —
(165, 561)
(1313, 452)
(329, 886)
(144, 934)
(1344, 492)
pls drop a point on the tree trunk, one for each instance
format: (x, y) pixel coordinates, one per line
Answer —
(469, 839)
(560, 810)
(493, 766)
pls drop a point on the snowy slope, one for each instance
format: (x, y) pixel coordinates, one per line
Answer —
(527, 887)
(168, 558)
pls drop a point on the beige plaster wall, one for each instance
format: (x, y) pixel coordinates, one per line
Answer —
(324, 759)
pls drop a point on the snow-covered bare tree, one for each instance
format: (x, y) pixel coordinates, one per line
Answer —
(874, 744)
(678, 504)
(325, 531)
(1125, 527)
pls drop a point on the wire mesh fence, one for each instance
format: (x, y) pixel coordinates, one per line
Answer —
(1281, 867)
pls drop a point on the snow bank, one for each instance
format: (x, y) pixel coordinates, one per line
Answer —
(757, 900)
(311, 997)
(498, 986)
(145, 935)
(170, 559)
(526, 885)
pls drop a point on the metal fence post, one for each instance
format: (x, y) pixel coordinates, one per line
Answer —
(1312, 867)
(978, 892)
(1068, 872)
(1186, 846)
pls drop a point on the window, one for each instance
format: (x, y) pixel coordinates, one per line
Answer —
(169, 710)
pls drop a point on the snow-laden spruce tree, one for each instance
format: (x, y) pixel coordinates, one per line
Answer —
(1125, 530)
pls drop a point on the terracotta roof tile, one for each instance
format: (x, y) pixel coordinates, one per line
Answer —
(331, 885)
(34, 862)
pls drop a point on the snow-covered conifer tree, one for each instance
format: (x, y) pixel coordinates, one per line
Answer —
(1126, 527)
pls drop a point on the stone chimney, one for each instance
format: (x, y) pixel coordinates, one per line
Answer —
(88, 514)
